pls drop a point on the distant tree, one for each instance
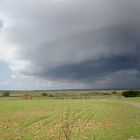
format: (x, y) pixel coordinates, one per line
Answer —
(6, 94)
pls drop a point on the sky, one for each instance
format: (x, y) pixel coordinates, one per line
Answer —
(69, 44)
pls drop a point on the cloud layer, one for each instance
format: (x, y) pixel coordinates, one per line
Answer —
(1, 24)
(96, 43)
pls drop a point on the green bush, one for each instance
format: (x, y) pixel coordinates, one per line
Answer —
(44, 94)
(6, 94)
(51, 95)
(131, 93)
(114, 92)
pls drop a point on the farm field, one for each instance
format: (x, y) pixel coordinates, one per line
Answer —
(70, 119)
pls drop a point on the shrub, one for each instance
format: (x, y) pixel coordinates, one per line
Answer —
(131, 93)
(6, 94)
(44, 94)
(51, 95)
(114, 92)
(105, 93)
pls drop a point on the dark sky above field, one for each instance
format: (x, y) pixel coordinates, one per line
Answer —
(57, 44)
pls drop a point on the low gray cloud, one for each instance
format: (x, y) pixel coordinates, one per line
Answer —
(121, 79)
(1, 24)
(75, 40)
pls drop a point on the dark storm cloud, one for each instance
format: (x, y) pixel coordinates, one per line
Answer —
(76, 40)
(90, 71)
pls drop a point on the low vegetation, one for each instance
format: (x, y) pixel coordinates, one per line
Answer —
(6, 94)
(44, 94)
(85, 94)
(131, 93)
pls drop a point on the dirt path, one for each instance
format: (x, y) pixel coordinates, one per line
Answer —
(137, 104)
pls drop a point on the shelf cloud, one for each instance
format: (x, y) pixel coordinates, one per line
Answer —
(96, 43)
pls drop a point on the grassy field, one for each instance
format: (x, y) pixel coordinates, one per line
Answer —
(70, 119)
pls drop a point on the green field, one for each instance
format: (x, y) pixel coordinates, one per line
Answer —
(70, 119)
